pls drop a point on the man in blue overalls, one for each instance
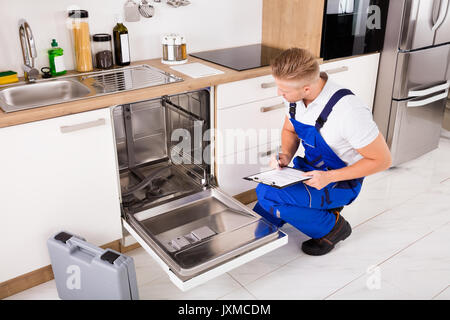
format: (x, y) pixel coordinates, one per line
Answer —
(342, 145)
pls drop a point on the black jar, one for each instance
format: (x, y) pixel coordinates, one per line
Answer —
(102, 48)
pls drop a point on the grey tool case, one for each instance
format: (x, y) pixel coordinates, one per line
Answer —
(86, 272)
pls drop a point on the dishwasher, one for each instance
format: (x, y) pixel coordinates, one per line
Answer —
(170, 201)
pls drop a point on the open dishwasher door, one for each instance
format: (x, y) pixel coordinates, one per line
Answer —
(202, 236)
(170, 204)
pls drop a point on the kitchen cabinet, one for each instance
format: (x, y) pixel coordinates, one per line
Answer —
(249, 120)
(259, 122)
(293, 23)
(251, 106)
(57, 174)
(233, 167)
(359, 74)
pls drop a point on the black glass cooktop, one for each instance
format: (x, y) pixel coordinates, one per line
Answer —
(240, 58)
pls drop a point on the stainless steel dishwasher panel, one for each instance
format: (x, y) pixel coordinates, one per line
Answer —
(146, 139)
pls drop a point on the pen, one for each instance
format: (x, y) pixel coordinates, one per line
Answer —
(278, 157)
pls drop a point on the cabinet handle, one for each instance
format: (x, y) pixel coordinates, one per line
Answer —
(267, 85)
(267, 153)
(337, 70)
(271, 108)
(81, 126)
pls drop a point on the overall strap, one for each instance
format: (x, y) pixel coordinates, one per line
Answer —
(329, 107)
(292, 109)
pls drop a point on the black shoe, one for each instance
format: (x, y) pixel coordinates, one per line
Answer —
(321, 246)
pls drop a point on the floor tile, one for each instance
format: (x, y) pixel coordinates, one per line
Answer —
(273, 260)
(147, 269)
(370, 244)
(162, 288)
(423, 268)
(443, 295)
(369, 287)
(239, 294)
(384, 194)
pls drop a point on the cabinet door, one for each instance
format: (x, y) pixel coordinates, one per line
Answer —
(249, 125)
(358, 74)
(232, 168)
(57, 174)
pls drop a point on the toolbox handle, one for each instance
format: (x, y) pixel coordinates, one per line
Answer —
(94, 250)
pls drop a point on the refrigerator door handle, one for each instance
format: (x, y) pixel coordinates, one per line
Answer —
(420, 103)
(425, 92)
(442, 13)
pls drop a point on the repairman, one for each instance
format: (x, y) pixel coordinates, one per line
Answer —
(342, 145)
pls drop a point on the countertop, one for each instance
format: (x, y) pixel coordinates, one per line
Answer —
(189, 84)
(62, 109)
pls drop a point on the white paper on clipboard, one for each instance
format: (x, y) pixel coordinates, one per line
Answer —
(279, 178)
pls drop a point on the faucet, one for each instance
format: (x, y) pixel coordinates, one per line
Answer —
(28, 51)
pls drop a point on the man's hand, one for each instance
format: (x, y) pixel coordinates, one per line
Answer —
(319, 180)
(283, 161)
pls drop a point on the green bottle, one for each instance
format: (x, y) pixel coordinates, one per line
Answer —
(121, 44)
(56, 59)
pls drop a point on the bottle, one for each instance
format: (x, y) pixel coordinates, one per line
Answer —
(56, 60)
(121, 44)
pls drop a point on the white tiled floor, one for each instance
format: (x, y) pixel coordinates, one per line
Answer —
(399, 249)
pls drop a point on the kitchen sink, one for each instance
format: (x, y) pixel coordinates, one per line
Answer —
(81, 86)
(41, 93)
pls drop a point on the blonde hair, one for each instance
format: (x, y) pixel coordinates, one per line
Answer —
(296, 64)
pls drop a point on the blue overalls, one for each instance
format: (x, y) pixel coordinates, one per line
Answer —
(305, 207)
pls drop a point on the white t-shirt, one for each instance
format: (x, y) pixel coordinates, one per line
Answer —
(350, 125)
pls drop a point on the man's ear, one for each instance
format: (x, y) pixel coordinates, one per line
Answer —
(306, 90)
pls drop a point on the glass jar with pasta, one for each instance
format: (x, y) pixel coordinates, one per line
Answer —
(81, 40)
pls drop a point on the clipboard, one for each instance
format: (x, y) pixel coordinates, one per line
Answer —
(279, 178)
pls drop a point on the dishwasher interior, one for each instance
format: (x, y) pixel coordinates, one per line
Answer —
(167, 188)
(160, 148)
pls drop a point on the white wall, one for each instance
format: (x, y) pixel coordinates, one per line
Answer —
(207, 24)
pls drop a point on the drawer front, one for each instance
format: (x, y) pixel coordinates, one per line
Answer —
(245, 91)
(249, 125)
(357, 74)
(231, 169)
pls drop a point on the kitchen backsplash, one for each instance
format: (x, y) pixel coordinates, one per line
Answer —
(207, 24)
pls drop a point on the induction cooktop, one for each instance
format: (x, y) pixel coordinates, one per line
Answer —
(240, 58)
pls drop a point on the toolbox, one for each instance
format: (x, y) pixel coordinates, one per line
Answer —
(86, 272)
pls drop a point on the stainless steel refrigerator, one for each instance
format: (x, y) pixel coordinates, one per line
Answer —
(413, 77)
